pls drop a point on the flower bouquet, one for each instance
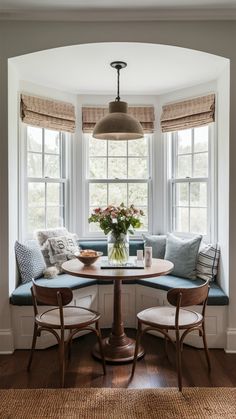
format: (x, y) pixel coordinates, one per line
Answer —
(117, 223)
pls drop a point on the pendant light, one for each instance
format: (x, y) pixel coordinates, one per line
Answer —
(118, 124)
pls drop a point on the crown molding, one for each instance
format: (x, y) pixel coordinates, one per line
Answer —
(101, 15)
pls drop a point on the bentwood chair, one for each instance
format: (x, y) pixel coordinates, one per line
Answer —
(62, 321)
(180, 320)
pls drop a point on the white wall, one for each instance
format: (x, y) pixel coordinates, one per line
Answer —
(223, 174)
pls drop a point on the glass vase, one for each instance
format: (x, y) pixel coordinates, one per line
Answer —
(118, 249)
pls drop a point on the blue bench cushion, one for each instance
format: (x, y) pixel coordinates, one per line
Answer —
(21, 296)
(101, 246)
(216, 297)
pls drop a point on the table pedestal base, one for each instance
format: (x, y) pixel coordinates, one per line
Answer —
(118, 349)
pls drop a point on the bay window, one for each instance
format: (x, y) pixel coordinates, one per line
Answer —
(117, 172)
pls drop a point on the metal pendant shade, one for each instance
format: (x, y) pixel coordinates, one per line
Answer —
(118, 124)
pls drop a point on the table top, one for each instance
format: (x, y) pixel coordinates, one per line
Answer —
(75, 267)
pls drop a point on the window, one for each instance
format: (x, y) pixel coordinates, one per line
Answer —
(117, 172)
(191, 187)
(45, 179)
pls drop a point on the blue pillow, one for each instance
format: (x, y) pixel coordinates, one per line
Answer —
(30, 260)
(158, 244)
(183, 254)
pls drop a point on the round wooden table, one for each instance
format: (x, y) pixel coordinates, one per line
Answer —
(117, 347)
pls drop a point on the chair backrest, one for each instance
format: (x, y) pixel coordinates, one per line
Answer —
(49, 296)
(185, 297)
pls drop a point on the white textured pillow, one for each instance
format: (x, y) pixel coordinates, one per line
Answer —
(42, 237)
(207, 262)
(61, 249)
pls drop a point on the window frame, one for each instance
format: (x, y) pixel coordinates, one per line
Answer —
(86, 181)
(211, 180)
(24, 234)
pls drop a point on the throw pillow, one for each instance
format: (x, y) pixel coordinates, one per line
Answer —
(158, 244)
(207, 262)
(183, 254)
(61, 249)
(30, 260)
(42, 237)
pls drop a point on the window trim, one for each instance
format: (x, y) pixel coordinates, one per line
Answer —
(86, 234)
(170, 139)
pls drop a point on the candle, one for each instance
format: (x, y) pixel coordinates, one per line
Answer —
(148, 256)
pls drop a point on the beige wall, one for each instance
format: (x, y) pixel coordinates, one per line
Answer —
(17, 38)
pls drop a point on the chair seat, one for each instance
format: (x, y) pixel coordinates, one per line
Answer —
(73, 317)
(165, 317)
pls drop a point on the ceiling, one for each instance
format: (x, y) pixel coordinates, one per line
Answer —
(121, 10)
(109, 4)
(152, 69)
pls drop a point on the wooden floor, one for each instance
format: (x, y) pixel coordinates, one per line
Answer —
(154, 370)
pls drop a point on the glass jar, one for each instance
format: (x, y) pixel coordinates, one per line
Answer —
(118, 248)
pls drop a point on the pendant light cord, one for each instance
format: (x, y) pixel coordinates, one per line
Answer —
(118, 83)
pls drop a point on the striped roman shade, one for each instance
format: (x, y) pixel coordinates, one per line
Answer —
(188, 114)
(47, 113)
(144, 114)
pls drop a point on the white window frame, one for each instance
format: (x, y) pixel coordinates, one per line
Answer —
(211, 180)
(24, 180)
(86, 181)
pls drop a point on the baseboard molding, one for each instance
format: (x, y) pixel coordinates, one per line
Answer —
(6, 341)
(231, 341)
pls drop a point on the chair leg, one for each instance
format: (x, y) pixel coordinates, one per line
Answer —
(33, 346)
(205, 347)
(99, 336)
(139, 332)
(178, 361)
(62, 359)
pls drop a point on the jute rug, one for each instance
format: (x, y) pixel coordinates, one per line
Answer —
(104, 403)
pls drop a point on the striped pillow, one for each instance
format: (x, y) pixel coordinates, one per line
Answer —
(207, 262)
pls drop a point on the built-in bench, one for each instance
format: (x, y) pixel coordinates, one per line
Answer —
(137, 295)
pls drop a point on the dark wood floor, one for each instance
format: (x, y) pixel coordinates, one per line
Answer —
(154, 370)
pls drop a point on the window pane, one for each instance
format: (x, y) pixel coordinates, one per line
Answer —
(182, 194)
(117, 148)
(54, 194)
(184, 166)
(198, 194)
(98, 194)
(97, 147)
(201, 139)
(34, 165)
(36, 218)
(52, 141)
(117, 168)
(34, 139)
(138, 194)
(117, 193)
(184, 143)
(144, 219)
(52, 166)
(182, 220)
(36, 194)
(93, 227)
(138, 147)
(198, 220)
(98, 168)
(54, 217)
(200, 165)
(138, 168)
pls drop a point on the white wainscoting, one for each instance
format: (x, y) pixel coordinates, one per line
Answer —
(134, 299)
